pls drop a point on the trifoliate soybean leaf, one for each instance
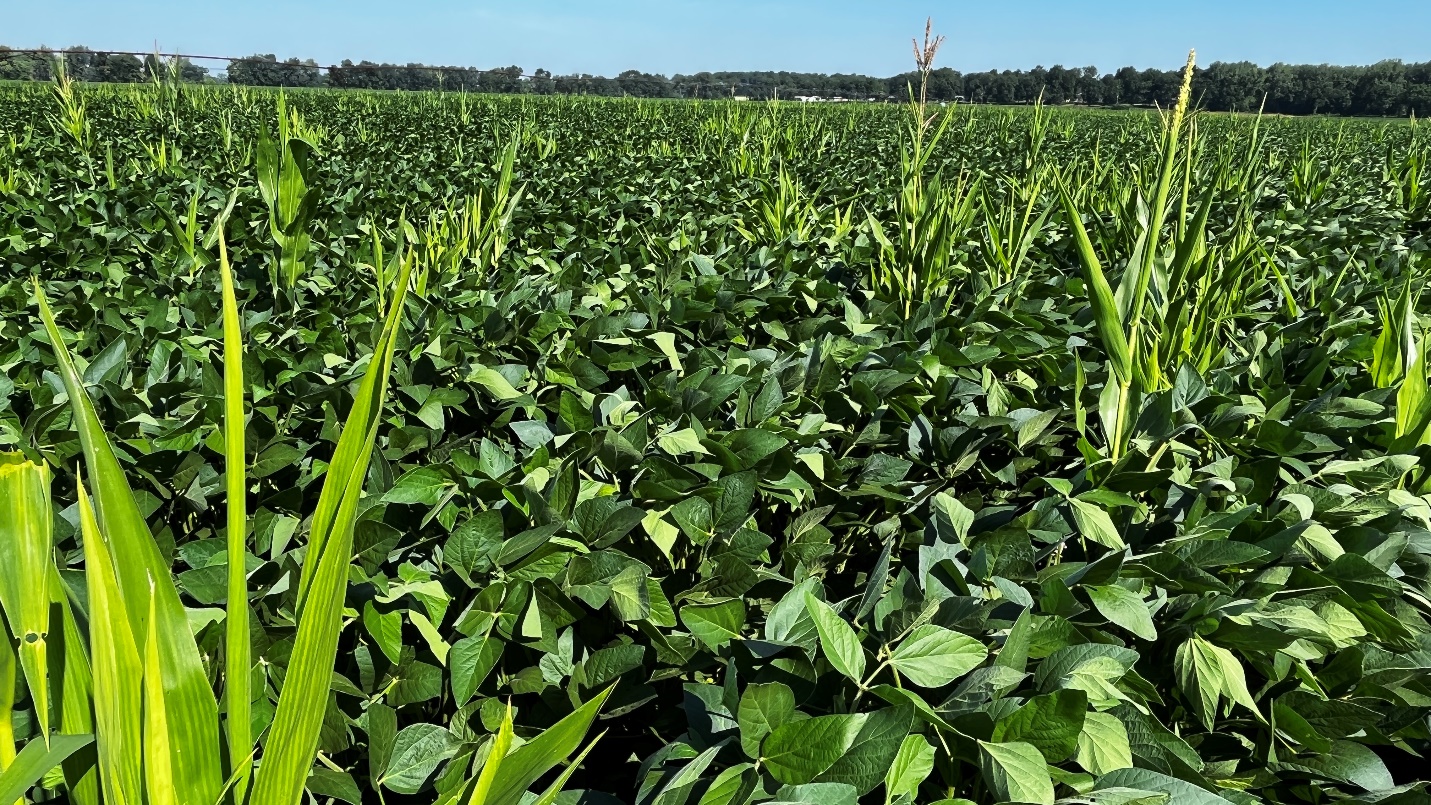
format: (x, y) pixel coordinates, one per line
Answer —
(424, 485)
(681, 442)
(666, 342)
(108, 364)
(1070, 659)
(1347, 762)
(630, 599)
(790, 621)
(417, 751)
(380, 722)
(275, 457)
(763, 707)
(603, 521)
(733, 786)
(1124, 608)
(523, 544)
(1095, 524)
(883, 468)
(325, 782)
(951, 519)
(1103, 744)
(1207, 673)
(932, 656)
(1180, 791)
(875, 747)
(1016, 772)
(474, 545)
(838, 641)
(714, 624)
(416, 682)
(734, 495)
(816, 794)
(604, 666)
(493, 460)
(494, 383)
(386, 630)
(695, 518)
(1155, 746)
(911, 767)
(799, 751)
(471, 660)
(438, 646)
(1031, 424)
(1051, 723)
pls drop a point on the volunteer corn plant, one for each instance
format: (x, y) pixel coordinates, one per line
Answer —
(733, 452)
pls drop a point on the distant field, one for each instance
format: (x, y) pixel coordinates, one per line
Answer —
(998, 455)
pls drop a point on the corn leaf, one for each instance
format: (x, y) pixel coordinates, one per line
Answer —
(35, 760)
(1100, 295)
(26, 516)
(237, 658)
(117, 696)
(501, 745)
(297, 723)
(141, 571)
(541, 754)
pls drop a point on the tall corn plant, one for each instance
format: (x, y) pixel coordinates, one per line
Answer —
(917, 264)
(286, 180)
(1133, 361)
(155, 716)
(476, 232)
(51, 647)
(1012, 227)
(1399, 361)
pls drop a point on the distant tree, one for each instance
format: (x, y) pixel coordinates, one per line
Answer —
(506, 80)
(121, 69)
(1381, 89)
(1231, 86)
(1385, 88)
(1131, 87)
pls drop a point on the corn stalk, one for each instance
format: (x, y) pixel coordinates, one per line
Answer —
(1120, 318)
(155, 717)
(286, 180)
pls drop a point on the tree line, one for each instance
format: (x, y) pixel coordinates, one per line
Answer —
(1388, 88)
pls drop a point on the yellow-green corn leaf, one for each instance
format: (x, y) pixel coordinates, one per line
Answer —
(142, 572)
(8, 661)
(354, 442)
(158, 770)
(293, 744)
(1100, 295)
(501, 745)
(237, 651)
(1413, 403)
(35, 760)
(25, 521)
(543, 753)
(118, 702)
(554, 790)
(72, 693)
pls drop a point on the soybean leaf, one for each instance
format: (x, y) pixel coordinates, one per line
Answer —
(1016, 772)
(838, 641)
(932, 656)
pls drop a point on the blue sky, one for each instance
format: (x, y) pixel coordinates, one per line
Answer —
(669, 36)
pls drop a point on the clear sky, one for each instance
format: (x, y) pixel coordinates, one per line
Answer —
(671, 36)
